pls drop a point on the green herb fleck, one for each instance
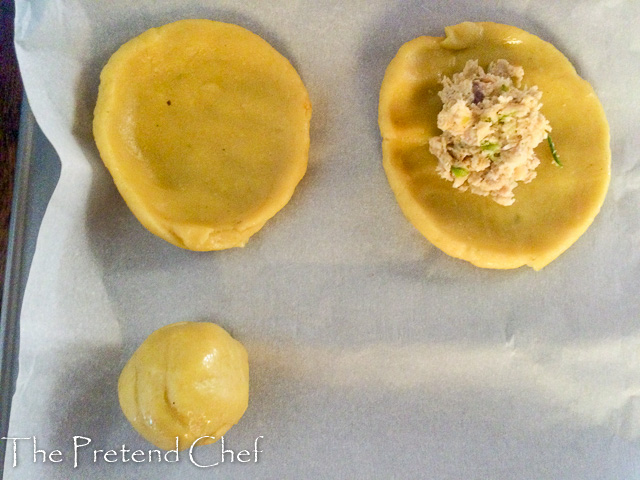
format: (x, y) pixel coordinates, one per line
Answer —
(504, 88)
(489, 147)
(459, 171)
(503, 118)
(554, 153)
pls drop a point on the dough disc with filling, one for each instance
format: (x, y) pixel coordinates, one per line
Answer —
(552, 211)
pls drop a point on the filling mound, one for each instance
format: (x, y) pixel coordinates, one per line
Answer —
(490, 127)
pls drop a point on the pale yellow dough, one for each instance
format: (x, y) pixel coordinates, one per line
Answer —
(187, 380)
(552, 211)
(204, 128)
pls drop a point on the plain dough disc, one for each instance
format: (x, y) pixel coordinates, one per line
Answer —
(205, 130)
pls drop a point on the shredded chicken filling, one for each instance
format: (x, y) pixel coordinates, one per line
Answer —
(490, 127)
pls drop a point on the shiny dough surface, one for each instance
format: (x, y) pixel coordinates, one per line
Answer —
(204, 128)
(552, 211)
(187, 380)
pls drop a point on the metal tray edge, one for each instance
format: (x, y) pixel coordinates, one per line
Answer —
(36, 174)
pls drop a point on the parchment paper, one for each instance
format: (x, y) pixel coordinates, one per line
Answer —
(373, 355)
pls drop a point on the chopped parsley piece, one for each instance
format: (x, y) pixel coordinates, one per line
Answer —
(490, 147)
(554, 153)
(459, 171)
(502, 118)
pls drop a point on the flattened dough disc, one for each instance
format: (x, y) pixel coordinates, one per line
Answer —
(205, 130)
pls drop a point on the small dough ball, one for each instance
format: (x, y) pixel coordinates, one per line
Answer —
(185, 381)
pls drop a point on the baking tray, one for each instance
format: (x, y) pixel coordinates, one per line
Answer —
(376, 368)
(36, 175)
